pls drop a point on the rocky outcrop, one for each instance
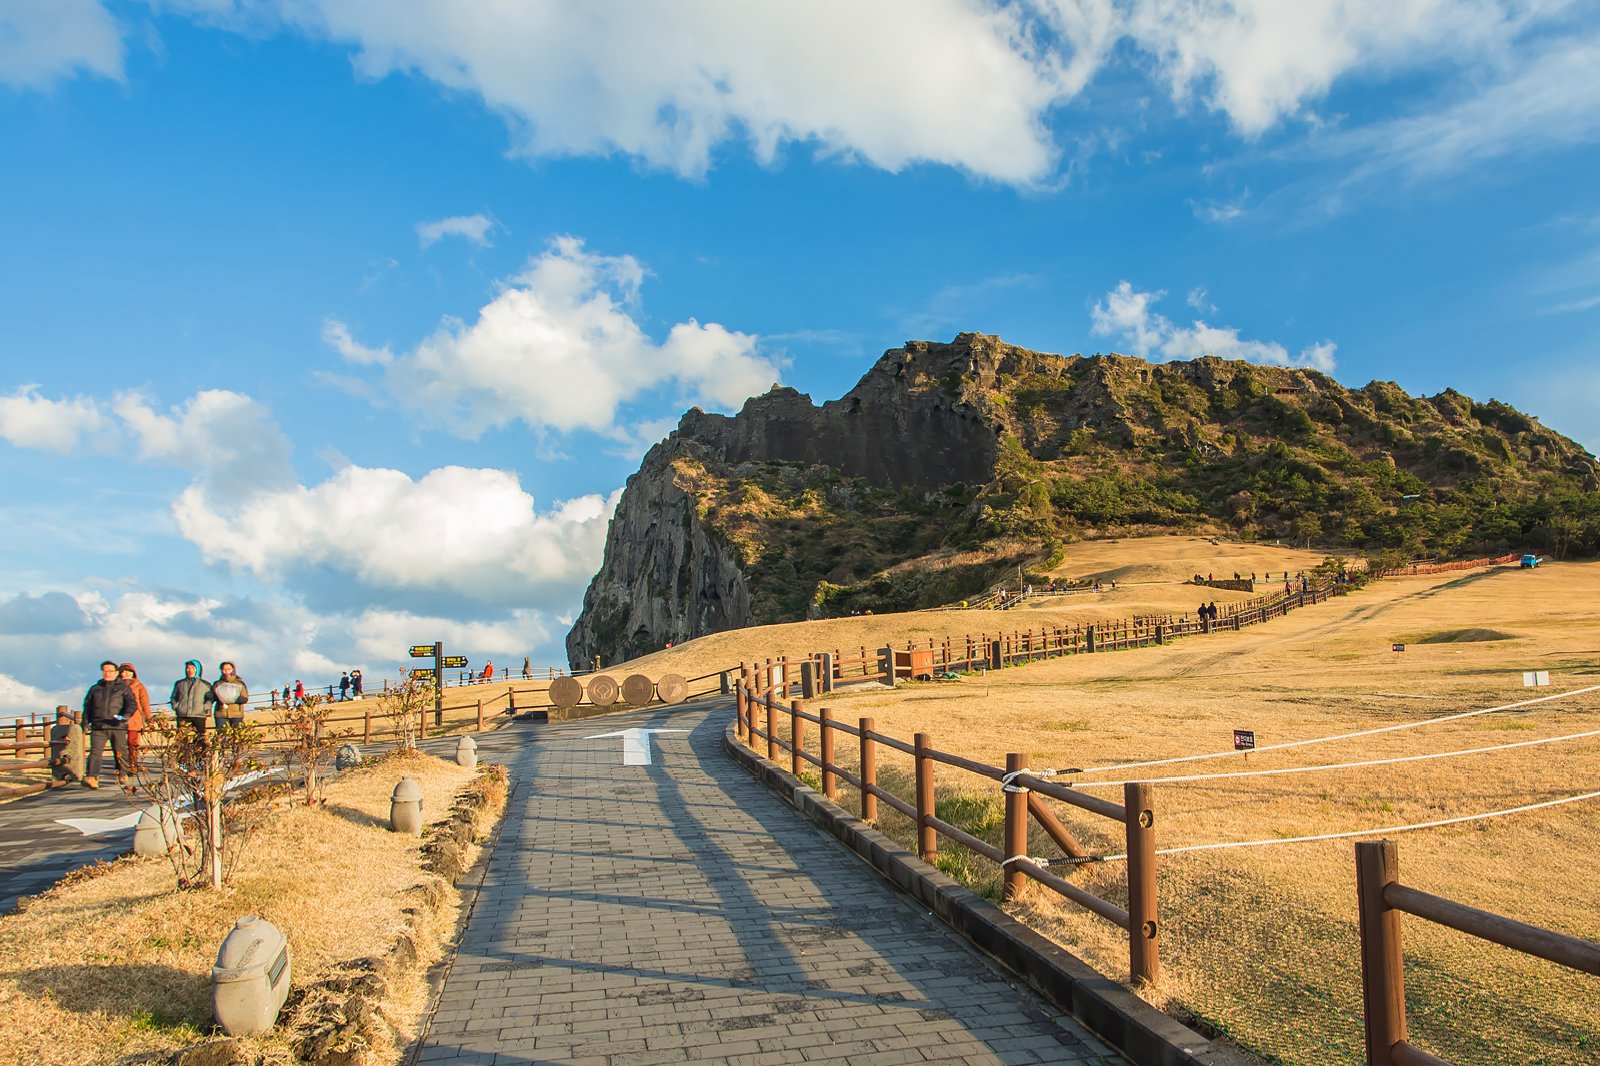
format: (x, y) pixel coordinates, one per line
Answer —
(958, 449)
(665, 578)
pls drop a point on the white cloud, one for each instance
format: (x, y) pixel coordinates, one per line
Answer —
(1128, 313)
(336, 335)
(226, 437)
(560, 348)
(474, 229)
(29, 420)
(1541, 97)
(45, 41)
(472, 533)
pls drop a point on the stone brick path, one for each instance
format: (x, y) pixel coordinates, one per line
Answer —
(679, 912)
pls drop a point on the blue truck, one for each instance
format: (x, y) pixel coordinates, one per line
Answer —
(1531, 562)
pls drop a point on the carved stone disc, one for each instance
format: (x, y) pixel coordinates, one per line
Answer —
(565, 692)
(672, 688)
(638, 690)
(602, 690)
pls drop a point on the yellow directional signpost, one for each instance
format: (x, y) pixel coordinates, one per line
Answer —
(434, 651)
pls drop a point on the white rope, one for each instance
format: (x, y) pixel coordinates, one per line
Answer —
(1344, 736)
(1337, 765)
(1362, 832)
(1008, 780)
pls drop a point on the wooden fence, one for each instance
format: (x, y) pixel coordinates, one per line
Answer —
(1382, 899)
(754, 695)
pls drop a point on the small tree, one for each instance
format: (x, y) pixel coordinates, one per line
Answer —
(404, 704)
(193, 775)
(311, 742)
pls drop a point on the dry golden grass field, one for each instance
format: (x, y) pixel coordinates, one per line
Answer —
(1260, 942)
(116, 966)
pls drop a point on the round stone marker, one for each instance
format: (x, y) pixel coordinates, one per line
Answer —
(672, 688)
(602, 690)
(565, 692)
(638, 690)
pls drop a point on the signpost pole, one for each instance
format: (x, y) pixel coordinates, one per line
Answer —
(438, 684)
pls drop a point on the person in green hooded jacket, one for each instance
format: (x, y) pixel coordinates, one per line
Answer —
(192, 699)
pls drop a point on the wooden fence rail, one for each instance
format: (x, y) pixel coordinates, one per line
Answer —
(1382, 899)
(757, 696)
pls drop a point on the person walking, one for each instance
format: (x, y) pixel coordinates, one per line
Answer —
(299, 692)
(142, 718)
(527, 668)
(107, 706)
(344, 686)
(488, 671)
(192, 698)
(232, 694)
(355, 684)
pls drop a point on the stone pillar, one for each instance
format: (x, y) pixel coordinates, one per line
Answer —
(886, 664)
(1088, 639)
(827, 671)
(995, 652)
(808, 679)
(1161, 633)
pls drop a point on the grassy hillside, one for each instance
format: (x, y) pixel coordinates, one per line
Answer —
(1109, 445)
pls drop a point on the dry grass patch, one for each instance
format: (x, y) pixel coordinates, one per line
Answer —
(115, 967)
(1261, 943)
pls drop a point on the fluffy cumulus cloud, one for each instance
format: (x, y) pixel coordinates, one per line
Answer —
(474, 229)
(29, 420)
(44, 41)
(560, 347)
(467, 533)
(974, 84)
(228, 439)
(1129, 315)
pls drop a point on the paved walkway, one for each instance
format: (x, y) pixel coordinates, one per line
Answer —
(678, 912)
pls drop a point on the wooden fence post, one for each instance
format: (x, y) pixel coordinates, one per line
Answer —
(1383, 991)
(829, 786)
(480, 714)
(797, 741)
(772, 726)
(869, 772)
(927, 836)
(366, 725)
(1016, 832)
(1144, 958)
(740, 710)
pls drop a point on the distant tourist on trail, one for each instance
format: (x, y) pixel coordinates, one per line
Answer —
(488, 671)
(107, 706)
(527, 668)
(344, 685)
(299, 693)
(192, 698)
(286, 695)
(355, 684)
(232, 694)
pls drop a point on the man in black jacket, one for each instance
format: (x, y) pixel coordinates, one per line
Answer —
(107, 706)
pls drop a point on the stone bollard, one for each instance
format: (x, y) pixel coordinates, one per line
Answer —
(467, 752)
(996, 651)
(405, 808)
(1161, 633)
(886, 665)
(157, 831)
(250, 980)
(1088, 638)
(347, 757)
(66, 749)
(727, 685)
(808, 679)
(827, 672)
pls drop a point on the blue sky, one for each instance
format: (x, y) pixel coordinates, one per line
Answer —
(327, 329)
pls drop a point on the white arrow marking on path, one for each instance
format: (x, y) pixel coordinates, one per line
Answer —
(635, 743)
(93, 827)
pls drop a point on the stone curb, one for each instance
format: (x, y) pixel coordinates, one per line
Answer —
(1116, 1015)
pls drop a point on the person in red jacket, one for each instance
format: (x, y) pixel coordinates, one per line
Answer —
(488, 671)
(140, 720)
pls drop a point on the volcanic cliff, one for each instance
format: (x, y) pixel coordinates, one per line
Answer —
(949, 461)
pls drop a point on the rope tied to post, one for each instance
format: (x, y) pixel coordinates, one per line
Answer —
(1008, 780)
(1044, 862)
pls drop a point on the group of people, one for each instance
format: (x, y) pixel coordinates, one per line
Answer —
(1208, 612)
(350, 688)
(116, 709)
